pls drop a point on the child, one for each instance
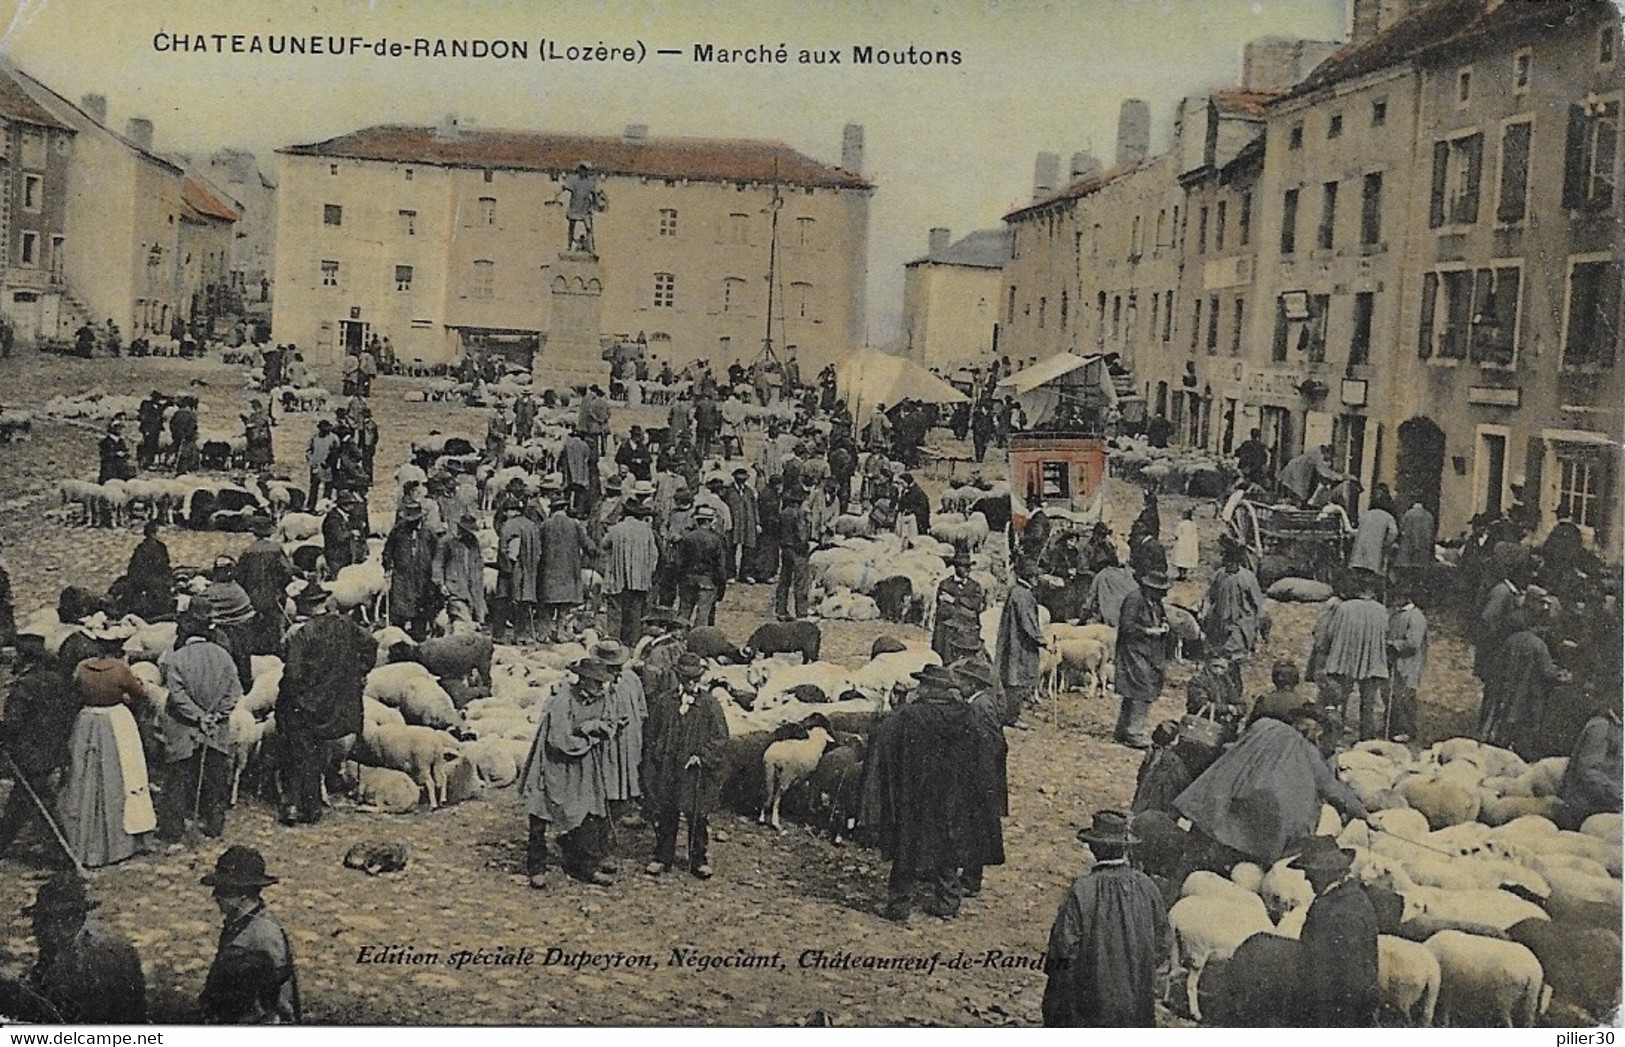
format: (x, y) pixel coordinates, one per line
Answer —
(1186, 555)
(1285, 700)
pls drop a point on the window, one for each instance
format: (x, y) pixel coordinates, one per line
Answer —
(1606, 45)
(1289, 222)
(1196, 324)
(668, 221)
(1327, 231)
(330, 274)
(33, 192)
(403, 278)
(1312, 339)
(484, 284)
(1334, 126)
(30, 249)
(1588, 164)
(1244, 220)
(332, 214)
(1177, 234)
(1235, 327)
(733, 294)
(408, 173)
(1162, 228)
(1471, 314)
(1360, 343)
(332, 169)
(1043, 304)
(1117, 315)
(1010, 306)
(1055, 480)
(1522, 62)
(665, 290)
(801, 300)
(409, 223)
(1134, 246)
(1201, 231)
(1379, 112)
(1512, 196)
(1457, 166)
(804, 231)
(1294, 138)
(1218, 226)
(488, 210)
(1464, 87)
(486, 175)
(1282, 326)
(1156, 305)
(1063, 310)
(1591, 313)
(1371, 209)
(1582, 483)
(739, 228)
(1168, 315)
(1213, 325)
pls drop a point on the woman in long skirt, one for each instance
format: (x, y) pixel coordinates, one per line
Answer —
(105, 804)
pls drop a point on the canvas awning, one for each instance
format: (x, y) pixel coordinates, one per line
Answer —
(867, 378)
(1041, 388)
(1042, 372)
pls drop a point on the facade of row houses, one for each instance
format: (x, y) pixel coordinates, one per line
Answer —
(253, 268)
(951, 299)
(442, 239)
(208, 224)
(35, 151)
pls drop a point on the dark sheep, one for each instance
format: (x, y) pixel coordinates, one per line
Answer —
(996, 510)
(1260, 985)
(801, 638)
(708, 641)
(886, 645)
(1581, 965)
(893, 596)
(455, 657)
(214, 454)
(835, 784)
(305, 557)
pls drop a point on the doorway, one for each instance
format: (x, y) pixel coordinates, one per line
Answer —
(353, 335)
(1489, 470)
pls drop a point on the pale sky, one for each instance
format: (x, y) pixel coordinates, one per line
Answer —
(947, 145)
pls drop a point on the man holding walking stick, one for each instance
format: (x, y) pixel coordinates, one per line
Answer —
(686, 748)
(203, 690)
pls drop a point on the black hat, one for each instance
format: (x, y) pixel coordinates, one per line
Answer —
(690, 666)
(1322, 852)
(239, 866)
(975, 671)
(937, 676)
(1108, 827)
(592, 669)
(666, 617)
(313, 593)
(62, 893)
(960, 558)
(1153, 579)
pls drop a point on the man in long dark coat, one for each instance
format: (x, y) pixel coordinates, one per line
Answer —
(344, 534)
(934, 743)
(960, 601)
(264, 572)
(989, 790)
(564, 784)
(409, 559)
(89, 974)
(318, 705)
(1020, 639)
(685, 761)
(566, 547)
(1142, 650)
(150, 577)
(519, 559)
(150, 422)
(39, 716)
(1108, 939)
(1339, 940)
(745, 515)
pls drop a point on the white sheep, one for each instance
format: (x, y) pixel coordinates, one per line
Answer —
(787, 763)
(1408, 977)
(261, 696)
(382, 788)
(1206, 929)
(1081, 653)
(1476, 911)
(296, 527)
(1485, 981)
(1203, 883)
(421, 752)
(149, 642)
(244, 733)
(1284, 889)
(412, 689)
(494, 762)
(377, 713)
(361, 585)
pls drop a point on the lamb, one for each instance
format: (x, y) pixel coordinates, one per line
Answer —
(803, 638)
(421, 752)
(1081, 653)
(1285, 888)
(382, 788)
(409, 687)
(1486, 982)
(785, 764)
(1207, 928)
(494, 763)
(244, 735)
(1408, 977)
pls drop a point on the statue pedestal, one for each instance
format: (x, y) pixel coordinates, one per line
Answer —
(572, 355)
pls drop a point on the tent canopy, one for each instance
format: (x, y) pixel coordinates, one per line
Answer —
(868, 378)
(1042, 372)
(1041, 388)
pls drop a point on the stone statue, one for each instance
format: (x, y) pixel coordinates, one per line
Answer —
(585, 200)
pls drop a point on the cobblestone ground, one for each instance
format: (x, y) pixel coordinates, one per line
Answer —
(790, 896)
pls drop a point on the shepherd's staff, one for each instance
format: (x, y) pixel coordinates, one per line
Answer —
(56, 830)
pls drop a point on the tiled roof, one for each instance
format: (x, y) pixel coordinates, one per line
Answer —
(16, 104)
(202, 200)
(1237, 101)
(1082, 187)
(697, 159)
(983, 249)
(1444, 24)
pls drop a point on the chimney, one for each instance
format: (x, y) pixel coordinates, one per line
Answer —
(96, 106)
(938, 242)
(138, 129)
(1046, 173)
(1084, 164)
(1133, 131)
(635, 133)
(1364, 19)
(852, 148)
(448, 129)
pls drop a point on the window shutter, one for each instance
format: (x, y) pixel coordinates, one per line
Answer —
(1482, 316)
(1473, 148)
(1514, 173)
(1441, 167)
(1424, 334)
(1534, 458)
(1574, 159)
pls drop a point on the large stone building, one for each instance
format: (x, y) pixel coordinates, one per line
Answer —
(444, 238)
(208, 224)
(253, 268)
(951, 299)
(35, 148)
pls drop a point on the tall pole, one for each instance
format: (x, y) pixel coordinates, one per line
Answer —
(772, 261)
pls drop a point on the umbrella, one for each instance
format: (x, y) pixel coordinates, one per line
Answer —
(868, 378)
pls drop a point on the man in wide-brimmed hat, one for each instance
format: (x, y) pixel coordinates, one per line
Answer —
(625, 709)
(989, 788)
(1108, 939)
(318, 704)
(701, 559)
(459, 572)
(631, 558)
(204, 688)
(1020, 639)
(1339, 940)
(685, 761)
(86, 972)
(1142, 651)
(960, 601)
(409, 553)
(933, 743)
(252, 980)
(564, 783)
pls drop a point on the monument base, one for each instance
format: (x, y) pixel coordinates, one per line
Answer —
(571, 355)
